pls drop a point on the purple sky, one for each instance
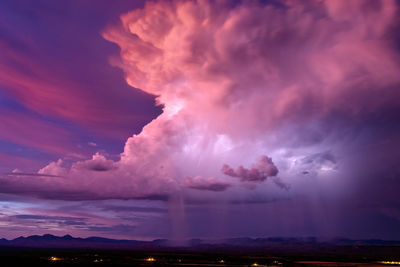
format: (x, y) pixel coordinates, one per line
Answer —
(209, 119)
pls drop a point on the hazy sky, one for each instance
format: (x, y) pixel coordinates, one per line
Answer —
(209, 119)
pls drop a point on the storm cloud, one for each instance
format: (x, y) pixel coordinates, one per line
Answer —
(307, 87)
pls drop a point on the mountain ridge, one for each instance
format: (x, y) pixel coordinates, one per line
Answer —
(68, 241)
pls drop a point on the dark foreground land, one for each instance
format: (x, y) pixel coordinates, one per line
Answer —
(49, 250)
(339, 256)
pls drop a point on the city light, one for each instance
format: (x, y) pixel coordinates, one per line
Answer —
(390, 262)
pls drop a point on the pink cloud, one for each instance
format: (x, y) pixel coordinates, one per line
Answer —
(12, 161)
(38, 87)
(223, 66)
(97, 163)
(27, 130)
(258, 172)
(49, 90)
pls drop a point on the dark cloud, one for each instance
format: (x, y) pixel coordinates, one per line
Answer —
(45, 220)
(45, 217)
(60, 191)
(134, 209)
(280, 183)
(120, 229)
(207, 184)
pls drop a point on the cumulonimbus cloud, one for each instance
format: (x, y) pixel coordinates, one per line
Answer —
(229, 79)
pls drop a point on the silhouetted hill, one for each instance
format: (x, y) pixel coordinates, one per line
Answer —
(67, 241)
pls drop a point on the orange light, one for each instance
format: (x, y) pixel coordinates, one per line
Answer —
(55, 259)
(221, 261)
(150, 259)
(254, 264)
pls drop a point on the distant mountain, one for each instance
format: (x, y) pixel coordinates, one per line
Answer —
(67, 241)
